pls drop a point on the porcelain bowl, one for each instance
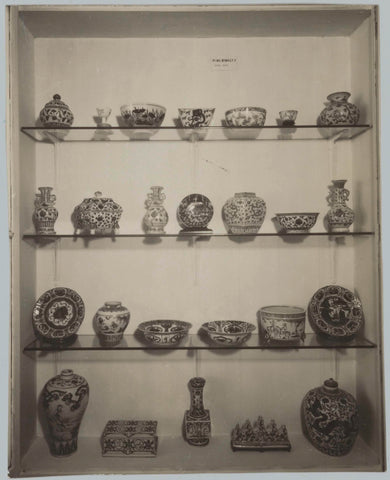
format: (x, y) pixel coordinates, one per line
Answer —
(228, 332)
(282, 323)
(296, 222)
(164, 332)
(143, 114)
(246, 117)
(196, 117)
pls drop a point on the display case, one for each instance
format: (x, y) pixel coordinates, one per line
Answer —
(275, 57)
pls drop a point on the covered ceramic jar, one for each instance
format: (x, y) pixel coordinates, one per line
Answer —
(339, 111)
(56, 114)
(244, 213)
(97, 214)
(110, 322)
(330, 418)
(65, 399)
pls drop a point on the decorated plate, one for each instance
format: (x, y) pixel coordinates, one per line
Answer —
(194, 213)
(336, 312)
(57, 314)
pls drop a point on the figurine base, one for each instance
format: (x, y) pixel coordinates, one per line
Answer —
(196, 231)
(261, 448)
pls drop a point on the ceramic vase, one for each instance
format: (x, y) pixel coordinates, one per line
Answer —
(340, 217)
(97, 215)
(156, 216)
(56, 114)
(197, 424)
(244, 213)
(330, 418)
(65, 398)
(339, 111)
(110, 321)
(45, 213)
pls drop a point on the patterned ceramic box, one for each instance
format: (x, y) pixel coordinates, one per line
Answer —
(130, 438)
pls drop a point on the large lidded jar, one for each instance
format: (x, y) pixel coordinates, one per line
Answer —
(56, 114)
(45, 213)
(110, 322)
(330, 418)
(65, 399)
(339, 111)
(244, 213)
(97, 214)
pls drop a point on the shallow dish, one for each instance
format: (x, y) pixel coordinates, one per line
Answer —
(194, 213)
(196, 117)
(297, 222)
(164, 332)
(57, 315)
(246, 117)
(282, 323)
(335, 312)
(232, 332)
(143, 114)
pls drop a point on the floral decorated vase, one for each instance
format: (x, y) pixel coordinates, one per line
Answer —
(45, 213)
(65, 399)
(330, 418)
(97, 215)
(244, 213)
(156, 216)
(340, 217)
(110, 322)
(56, 114)
(339, 111)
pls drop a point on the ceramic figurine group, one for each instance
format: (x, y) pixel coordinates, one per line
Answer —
(242, 214)
(56, 114)
(329, 421)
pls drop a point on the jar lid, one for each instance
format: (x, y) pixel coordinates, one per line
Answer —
(57, 102)
(331, 385)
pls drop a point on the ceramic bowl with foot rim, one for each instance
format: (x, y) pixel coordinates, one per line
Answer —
(228, 332)
(164, 332)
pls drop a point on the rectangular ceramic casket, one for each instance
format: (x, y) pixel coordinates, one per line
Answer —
(130, 438)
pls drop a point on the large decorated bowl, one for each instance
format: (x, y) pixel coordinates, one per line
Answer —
(296, 222)
(246, 117)
(194, 213)
(196, 117)
(57, 315)
(282, 323)
(97, 215)
(143, 115)
(164, 332)
(228, 332)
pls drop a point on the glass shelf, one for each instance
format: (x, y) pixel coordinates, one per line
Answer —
(213, 133)
(57, 236)
(196, 342)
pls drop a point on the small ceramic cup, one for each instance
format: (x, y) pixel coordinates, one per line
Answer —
(288, 117)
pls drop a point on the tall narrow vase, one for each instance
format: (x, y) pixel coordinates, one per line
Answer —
(65, 398)
(45, 213)
(340, 217)
(156, 216)
(197, 424)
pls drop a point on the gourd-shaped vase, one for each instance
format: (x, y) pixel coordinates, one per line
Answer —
(45, 213)
(156, 216)
(340, 217)
(56, 114)
(330, 418)
(110, 322)
(244, 213)
(65, 398)
(197, 424)
(339, 111)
